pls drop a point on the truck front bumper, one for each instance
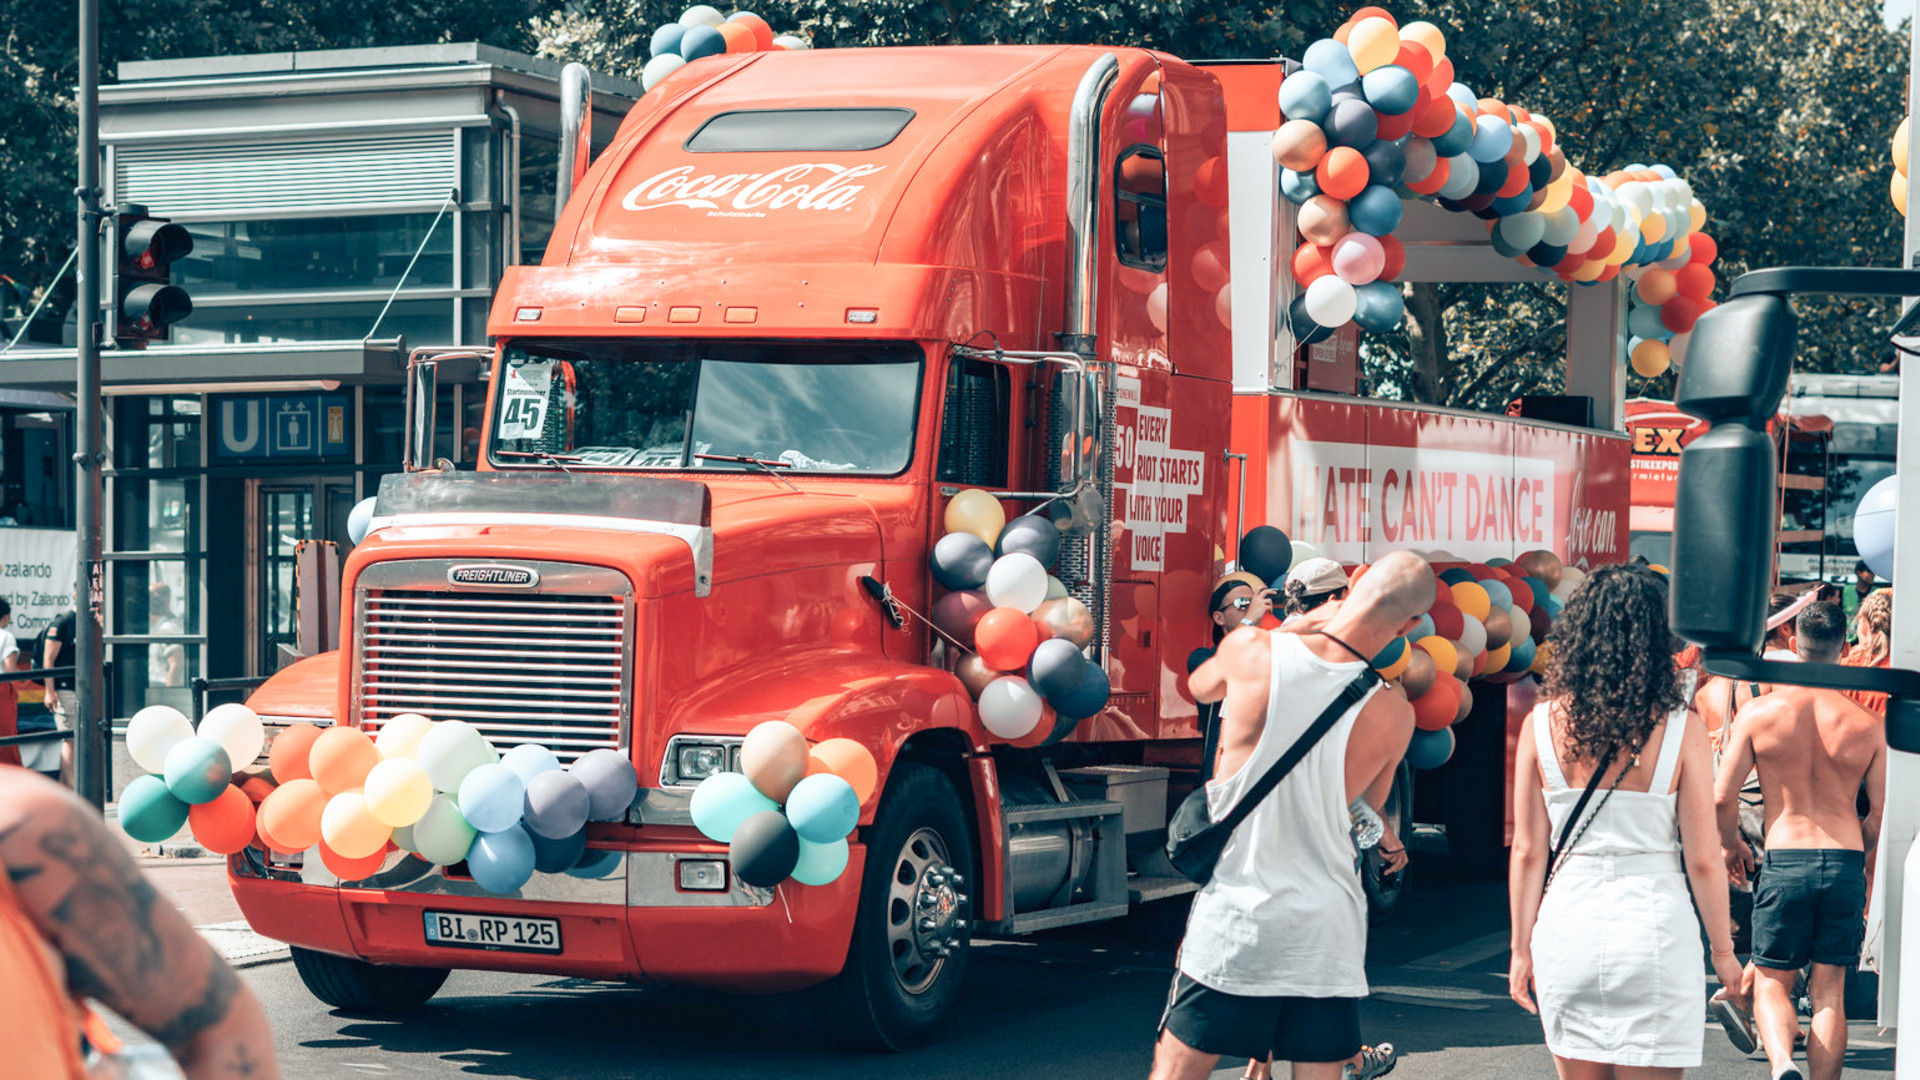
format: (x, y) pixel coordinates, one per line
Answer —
(634, 924)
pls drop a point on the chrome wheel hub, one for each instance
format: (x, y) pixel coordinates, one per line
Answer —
(926, 911)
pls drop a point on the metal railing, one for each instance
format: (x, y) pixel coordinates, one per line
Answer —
(202, 686)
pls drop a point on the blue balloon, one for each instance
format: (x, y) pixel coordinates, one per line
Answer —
(1087, 698)
(1492, 138)
(1391, 89)
(501, 862)
(1378, 306)
(722, 802)
(1498, 592)
(1055, 668)
(1644, 321)
(1331, 61)
(1545, 254)
(1463, 175)
(1493, 176)
(702, 41)
(1351, 123)
(1666, 172)
(1460, 93)
(1305, 96)
(1430, 749)
(1457, 138)
(1454, 576)
(1873, 521)
(492, 797)
(1512, 204)
(1423, 628)
(558, 856)
(1540, 592)
(1375, 211)
(666, 40)
(823, 808)
(1297, 186)
(596, 864)
(529, 760)
(1386, 162)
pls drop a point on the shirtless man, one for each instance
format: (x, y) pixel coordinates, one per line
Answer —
(1814, 750)
(1273, 963)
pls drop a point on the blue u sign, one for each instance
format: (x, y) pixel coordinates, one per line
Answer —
(282, 426)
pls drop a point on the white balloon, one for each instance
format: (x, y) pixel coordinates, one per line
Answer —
(793, 42)
(1331, 302)
(1562, 226)
(152, 732)
(400, 737)
(701, 15)
(1010, 707)
(1302, 551)
(359, 520)
(1473, 639)
(1017, 580)
(1522, 623)
(1678, 347)
(453, 749)
(659, 68)
(238, 730)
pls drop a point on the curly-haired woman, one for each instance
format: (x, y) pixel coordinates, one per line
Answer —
(1873, 626)
(1610, 956)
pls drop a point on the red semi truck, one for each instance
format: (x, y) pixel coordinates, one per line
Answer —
(800, 301)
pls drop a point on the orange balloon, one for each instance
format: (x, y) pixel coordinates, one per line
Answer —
(762, 33)
(1472, 600)
(287, 760)
(224, 825)
(351, 869)
(848, 760)
(1445, 656)
(1311, 262)
(1433, 181)
(739, 38)
(1517, 180)
(1436, 708)
(1436, 119)
(1005, 638)
(256, 788)
(1342, 172)
(1657, 287)
(1498, 659)
(290, 817)
(341, 758)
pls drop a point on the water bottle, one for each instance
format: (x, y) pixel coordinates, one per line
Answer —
(1367, 826)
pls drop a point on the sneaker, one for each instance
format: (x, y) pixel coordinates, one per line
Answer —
(1738, 1024)
(1789, 1072)
(1374, 1061)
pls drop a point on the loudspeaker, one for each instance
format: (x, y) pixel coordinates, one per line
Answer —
(1575, 410)
(1723, 524)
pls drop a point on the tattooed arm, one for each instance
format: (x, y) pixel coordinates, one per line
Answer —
(122, 943)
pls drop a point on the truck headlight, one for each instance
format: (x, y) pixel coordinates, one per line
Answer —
(703, 875)
(692, 758)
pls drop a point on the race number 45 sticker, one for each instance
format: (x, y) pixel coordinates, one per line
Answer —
(523, 405)
(1151, 480)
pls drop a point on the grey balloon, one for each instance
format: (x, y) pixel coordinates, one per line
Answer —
(1057, 668)
(558, 856)
(557, 805)
(610, 780)
(961, 561)
(1033, 534)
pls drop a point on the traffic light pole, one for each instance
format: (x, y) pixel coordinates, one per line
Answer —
(90, 730)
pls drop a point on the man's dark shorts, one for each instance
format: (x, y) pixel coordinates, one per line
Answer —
(1284, 1028)
(1809, 905)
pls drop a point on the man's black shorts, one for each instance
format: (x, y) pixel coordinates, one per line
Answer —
(1284, 1028)
(1809, 905)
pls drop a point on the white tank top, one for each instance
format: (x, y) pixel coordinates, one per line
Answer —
(1284, 914)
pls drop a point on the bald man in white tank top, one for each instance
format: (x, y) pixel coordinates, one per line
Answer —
(1273, 963)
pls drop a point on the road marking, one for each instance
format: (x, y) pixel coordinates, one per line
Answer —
(1463, 955)
(1438, 997)
(238, 945)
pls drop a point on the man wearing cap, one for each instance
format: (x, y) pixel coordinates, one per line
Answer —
(1312, 583)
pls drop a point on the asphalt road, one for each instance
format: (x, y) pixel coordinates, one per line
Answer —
(1078, 1003)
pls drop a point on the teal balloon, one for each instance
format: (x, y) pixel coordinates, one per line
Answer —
(1390, 88)
(1498, 592)
(1522, 656)
(1423, 628)
(723, 801)
(442, 836)
(1378, 306)
(1304, 95)
(501, 862)
(596, 864)
(1375, 211)
(820, 864)
(1644, 322)
(198, 770)
(1299, 186)
(700, 41)
(1430, 749)
(823, 808)
(1521, 231)
(1391, 655)
(149, 812)
(558, 856)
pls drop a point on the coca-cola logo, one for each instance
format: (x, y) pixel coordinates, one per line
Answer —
(814, 185)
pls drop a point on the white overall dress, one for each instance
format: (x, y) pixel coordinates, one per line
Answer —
(1616, 950)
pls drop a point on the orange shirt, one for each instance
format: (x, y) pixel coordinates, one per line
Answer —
(1871, 700)
(40, 1027)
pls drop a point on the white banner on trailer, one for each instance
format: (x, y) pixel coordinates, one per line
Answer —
(36, 577)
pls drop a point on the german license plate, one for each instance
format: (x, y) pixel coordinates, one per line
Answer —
(504, 933)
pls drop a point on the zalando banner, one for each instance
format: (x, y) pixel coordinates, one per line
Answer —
(36, 576)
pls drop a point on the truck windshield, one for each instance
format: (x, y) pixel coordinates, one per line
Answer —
(700, 405)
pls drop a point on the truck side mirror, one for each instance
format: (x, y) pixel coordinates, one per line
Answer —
(423, 385)
(1724, 500)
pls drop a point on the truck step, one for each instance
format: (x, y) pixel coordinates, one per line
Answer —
(1079, 810)
(1142, 889)
(1053, 918)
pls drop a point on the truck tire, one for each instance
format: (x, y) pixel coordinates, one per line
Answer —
(909, 949)
(357, 986)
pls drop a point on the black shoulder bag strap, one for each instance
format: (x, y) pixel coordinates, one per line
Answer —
(1349, 697)
(1566, 831)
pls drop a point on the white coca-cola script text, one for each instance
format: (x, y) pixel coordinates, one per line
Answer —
(799, 187)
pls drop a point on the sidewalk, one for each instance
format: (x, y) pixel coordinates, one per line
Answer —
(196, 883)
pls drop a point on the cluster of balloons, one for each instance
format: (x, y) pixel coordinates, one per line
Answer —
(1899, 187)
(790, 808)
(1667, 298)
(1376, 115)
(1025, 663)
(191, 776)
(702, 31)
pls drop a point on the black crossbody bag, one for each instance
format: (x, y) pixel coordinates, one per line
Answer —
(1567, 836)
(1195, 840)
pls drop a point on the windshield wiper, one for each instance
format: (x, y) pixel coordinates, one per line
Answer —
(545, 457)
(766, 465)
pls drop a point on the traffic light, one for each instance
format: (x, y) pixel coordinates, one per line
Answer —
(146, 302)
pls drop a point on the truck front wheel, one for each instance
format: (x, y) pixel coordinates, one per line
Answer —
(909, 947)
(357, 986)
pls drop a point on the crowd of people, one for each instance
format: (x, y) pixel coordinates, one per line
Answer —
(1646, 791)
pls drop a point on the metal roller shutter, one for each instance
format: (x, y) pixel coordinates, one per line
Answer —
(310, 174)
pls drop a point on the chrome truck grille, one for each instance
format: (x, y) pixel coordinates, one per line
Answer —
(528, 652)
